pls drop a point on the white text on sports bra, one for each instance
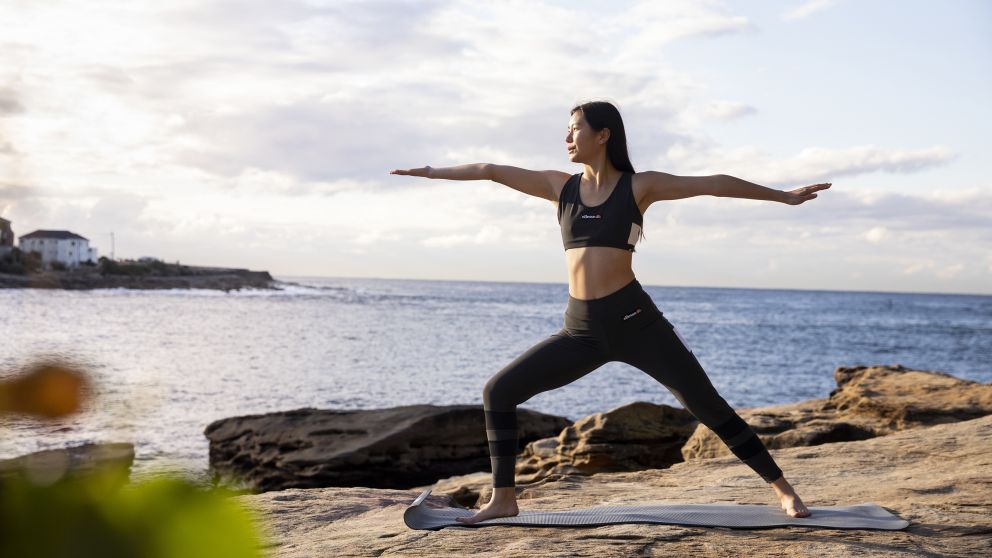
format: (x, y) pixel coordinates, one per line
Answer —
(592, 216)
(632, 314)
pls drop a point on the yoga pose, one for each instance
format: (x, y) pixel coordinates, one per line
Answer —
(609, 317)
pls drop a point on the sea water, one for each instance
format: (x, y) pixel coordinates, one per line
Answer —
(166, 363)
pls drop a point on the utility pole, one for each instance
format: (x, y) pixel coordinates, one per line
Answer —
(112, 258)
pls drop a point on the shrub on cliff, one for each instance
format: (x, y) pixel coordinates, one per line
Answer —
(110, 267)
(18, 262)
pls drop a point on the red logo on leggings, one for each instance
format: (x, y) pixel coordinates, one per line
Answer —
(632, 314)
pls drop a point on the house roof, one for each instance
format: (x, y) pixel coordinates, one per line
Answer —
(53, 234)
(4, 220)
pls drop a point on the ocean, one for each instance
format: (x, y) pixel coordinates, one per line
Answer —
(167, 363)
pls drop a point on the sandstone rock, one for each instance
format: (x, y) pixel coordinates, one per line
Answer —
(398, 447)
(632, 437)
(48, 466)
(908, 472)
(901, 398)
(868, 402)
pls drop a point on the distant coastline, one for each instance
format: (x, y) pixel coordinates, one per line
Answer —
(156, 275)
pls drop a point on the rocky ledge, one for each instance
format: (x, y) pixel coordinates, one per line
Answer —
(417, 445)
(938, 478)
(185, 277)
(869, 401)
(908, 440)
(399, 447)
(47, 466)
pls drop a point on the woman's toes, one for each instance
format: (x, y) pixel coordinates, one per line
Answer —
(802, 511)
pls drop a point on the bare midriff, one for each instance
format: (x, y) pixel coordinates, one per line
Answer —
(596, 271)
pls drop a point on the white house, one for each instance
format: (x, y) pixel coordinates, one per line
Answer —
(58, 246)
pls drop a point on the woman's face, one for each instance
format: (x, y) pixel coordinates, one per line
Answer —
(581, 140)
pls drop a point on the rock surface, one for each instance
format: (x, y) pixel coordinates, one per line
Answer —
(309, 448)
(868, 402)
(398, 447)
(939, 478)
(632, 437)
(48, 466)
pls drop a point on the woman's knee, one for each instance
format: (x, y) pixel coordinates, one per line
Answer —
(496, 395)
(708, 406)
(487, 392)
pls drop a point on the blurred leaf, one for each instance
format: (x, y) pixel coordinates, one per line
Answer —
(47, 389)
(160, 518)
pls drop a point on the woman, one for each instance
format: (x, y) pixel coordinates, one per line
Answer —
(609, 317)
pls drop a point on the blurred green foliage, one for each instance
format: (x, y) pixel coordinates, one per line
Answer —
(101, 515)
(48, 509)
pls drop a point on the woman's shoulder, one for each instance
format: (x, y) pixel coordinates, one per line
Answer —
(639, 186)
(560, 181)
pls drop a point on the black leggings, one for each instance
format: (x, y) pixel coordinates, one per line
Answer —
(623, 326)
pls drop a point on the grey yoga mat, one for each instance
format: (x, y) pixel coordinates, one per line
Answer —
(859, 516)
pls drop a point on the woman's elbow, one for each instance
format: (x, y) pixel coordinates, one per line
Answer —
(715, 185)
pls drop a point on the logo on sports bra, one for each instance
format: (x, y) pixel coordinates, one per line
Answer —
(632, 314)
(592, 216)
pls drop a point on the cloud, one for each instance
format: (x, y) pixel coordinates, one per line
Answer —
(91, 217)
(728, 110)
(876, 216)
(810, 165)
(267, 87)
(660, 23)
(9, 102)
(255, 181)
(942, 270)
(256, 95)
(248, 129)
(876, 234)
(11, 192)
(808, 8)
(489, 234)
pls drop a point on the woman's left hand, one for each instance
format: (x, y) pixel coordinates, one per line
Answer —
(799, 195)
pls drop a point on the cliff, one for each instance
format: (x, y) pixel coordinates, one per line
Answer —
(162, 276)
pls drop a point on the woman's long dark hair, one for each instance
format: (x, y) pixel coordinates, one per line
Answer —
(602, 114)
(599, 115)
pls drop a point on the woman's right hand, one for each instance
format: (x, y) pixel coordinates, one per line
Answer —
(424, 172)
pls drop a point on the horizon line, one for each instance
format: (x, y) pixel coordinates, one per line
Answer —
(643, 284)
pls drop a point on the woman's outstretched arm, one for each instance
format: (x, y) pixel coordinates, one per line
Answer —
(473, 171)
(539, 184)
(665, 186)
(732, 187)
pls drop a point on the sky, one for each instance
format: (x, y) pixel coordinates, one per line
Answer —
(261, 134)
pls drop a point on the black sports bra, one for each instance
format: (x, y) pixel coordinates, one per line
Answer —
(616, 222)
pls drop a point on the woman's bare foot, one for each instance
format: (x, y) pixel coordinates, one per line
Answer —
(503, 503)
(789, 499)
